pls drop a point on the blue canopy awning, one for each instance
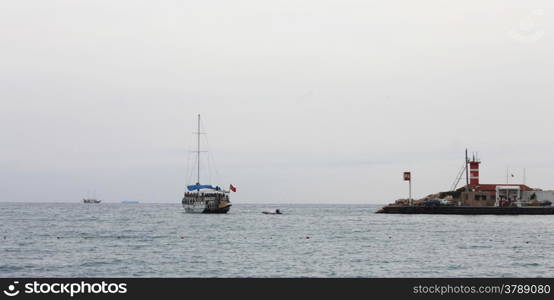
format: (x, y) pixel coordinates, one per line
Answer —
(196, 187)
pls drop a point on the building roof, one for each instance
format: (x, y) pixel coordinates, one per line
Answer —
(492, 187)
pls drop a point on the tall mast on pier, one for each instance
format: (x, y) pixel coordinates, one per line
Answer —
(467, 173)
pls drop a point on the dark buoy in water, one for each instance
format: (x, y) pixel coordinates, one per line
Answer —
(307, 237)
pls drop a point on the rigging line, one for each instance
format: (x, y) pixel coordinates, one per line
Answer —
(195, 169)
(189, 169)
(210, 166)
(200, 159)
(213, 163)
(206, 170)
(192, 169)
(211, 157)
(210, 172)
(458, 177)
(191, 166)
(186, 168)
(216, 170)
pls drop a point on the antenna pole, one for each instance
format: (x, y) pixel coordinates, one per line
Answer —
(524, 176)
(411, 201)
(467, 174)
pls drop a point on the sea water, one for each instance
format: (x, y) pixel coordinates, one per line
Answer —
(160, 240)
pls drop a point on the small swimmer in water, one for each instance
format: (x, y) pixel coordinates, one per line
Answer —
(276, 212)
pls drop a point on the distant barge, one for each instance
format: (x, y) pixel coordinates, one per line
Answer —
(466, 210)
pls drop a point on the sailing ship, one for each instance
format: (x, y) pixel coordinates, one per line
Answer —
(91, 200)
(205, 198)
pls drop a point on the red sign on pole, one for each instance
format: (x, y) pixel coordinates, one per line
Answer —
(407, 176)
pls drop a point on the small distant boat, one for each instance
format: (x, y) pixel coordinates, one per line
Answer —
(91, 200)
(276, 212)
(130, 202)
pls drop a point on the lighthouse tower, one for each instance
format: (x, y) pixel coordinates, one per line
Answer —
(474, 171)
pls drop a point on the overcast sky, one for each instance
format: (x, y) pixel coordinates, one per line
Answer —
(304, 101)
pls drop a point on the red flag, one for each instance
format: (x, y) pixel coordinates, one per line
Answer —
(232, 188)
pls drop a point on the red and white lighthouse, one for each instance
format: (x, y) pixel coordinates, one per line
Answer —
(474, 171)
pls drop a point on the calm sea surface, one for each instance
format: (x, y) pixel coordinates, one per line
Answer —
(160, 240)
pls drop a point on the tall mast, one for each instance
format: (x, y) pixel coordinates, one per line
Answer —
(198, 152)
(467, 173)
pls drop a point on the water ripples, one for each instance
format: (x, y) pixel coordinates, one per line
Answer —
(159, 240)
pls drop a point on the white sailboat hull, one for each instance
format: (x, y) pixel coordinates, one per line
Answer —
(196, 203)
(197, 208)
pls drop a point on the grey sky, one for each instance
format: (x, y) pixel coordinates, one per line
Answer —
(303, 101)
